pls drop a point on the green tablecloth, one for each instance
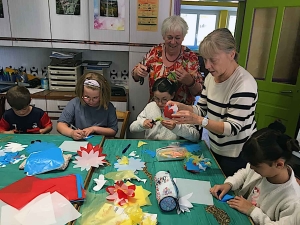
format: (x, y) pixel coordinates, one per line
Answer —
(198, 215)
(11, 172)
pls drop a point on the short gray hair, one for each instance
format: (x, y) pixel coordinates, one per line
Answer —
(174, 23)
(218, 40)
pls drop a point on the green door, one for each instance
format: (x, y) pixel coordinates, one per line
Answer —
(270, 51)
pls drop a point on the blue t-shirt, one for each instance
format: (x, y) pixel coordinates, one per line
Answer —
(83, 116)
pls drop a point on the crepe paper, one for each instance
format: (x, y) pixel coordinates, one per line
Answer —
(135, 214)
(9, 158)
(100, 182)
(7, 214)
(37, 211)
(195, 163)
(122, 175)
(141, 143)
(159, 119)
(192, 167)
(184, 204)
(149, 152)
(106, 215)
(39, 146)
(134, 164)
(120, 193)
(14, 147)
(226, 197)
(141, 196)
(47, 209)
(149, 219)
(88, 160)
(191, 147)
(200, 190)
(72, 146)
(124, 161)
(44, 161)
(169, 110)
(19, 193)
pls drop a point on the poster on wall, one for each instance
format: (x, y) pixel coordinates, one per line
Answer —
(1, 10)
(68, 7)
(109, 14)
(147, 15)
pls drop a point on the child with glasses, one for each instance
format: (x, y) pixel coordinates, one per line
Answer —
(91, 112)
(267, 188)
(166, 129)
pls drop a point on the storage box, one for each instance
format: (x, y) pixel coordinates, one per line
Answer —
(63, 78)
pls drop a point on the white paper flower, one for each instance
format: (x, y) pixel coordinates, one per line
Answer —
(88, 160)
(184, 204)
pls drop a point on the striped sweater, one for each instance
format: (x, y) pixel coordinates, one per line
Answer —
(232, 101)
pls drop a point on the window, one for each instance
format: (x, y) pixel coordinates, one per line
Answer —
(231, 21)
(206, 22)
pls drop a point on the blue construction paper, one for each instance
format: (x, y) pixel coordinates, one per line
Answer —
(191, 147)
(79, 184)
(226, 197)
(39, 146)
(88, 137)
(8, 158)
(191, 167)
(44, 161)
(149, 152)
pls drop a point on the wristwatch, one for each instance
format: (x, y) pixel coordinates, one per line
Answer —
(204, 122)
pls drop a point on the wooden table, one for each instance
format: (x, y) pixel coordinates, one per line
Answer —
(198, 215)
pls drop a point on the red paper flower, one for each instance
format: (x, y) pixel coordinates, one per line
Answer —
(168, 112)
(90, 148)
(120, 193)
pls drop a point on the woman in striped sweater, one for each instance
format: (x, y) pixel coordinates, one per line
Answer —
(227, 104)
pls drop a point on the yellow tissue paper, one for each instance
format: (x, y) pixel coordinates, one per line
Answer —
(141, 143)
(141, 196)
(121, 175)
(124, 161)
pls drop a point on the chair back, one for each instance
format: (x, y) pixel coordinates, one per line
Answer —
(124, 118)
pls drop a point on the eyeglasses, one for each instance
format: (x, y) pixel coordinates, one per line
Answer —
(93, 99)
(163, 101)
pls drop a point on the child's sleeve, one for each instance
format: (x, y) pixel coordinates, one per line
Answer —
(137, 126)
(4, 125)
(45, 121)
(187, 131)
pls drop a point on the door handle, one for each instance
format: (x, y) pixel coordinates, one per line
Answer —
(286, 92)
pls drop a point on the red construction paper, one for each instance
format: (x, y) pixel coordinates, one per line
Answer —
(168, 112)
(21, 192)
(66, 186)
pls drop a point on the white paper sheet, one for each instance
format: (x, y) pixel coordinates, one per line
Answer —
(200, 190)
(72, 146)
(7, 214)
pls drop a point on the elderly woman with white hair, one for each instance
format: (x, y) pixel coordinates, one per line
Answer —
(227, 104)
(172, 60)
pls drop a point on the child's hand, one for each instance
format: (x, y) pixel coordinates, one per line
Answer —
(9, 132)
(223, 188)
(88, 131)
(77, 134)
(148, 124)
(241, 204)
(169, 124)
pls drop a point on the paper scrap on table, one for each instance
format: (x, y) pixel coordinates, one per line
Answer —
(72, 146)
(133, 164)
(100, 181)
(141, 143)
(200, 190)
(14, 147)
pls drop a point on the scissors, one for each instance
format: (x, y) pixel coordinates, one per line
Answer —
(148, 70)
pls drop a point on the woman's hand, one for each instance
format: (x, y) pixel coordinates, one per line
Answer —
(88, 131)
(141, 70)
(169, 124)
(148, 124)
(241, 204)
(184, 77)
(180, 106)
(77, 134)
(186, 117)
(9, 132)
(223, 188)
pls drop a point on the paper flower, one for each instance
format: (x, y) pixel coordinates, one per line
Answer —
(120, 193)
(86, 160)
(133, 164)
(184, 204)
(169, 110)
(90, 148)
(14, 147)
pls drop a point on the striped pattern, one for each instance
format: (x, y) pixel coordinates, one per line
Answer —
(232, 101)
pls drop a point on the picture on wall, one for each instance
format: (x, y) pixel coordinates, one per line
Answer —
(1, 9)
(68, 7)
(109, 14)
